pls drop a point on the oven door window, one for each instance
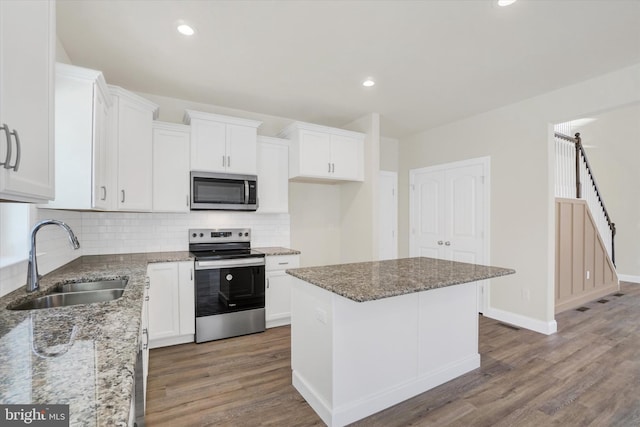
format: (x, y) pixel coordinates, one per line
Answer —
(222, 191)
(225, 290)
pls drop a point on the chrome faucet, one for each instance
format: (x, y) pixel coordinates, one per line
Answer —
(33, 278)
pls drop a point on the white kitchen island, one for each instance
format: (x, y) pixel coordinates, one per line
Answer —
(366, 336)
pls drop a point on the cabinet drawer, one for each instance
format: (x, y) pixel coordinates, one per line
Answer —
(282, 262)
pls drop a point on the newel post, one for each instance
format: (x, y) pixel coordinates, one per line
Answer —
(578, 150)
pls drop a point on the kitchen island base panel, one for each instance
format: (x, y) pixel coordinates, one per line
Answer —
(352, 359)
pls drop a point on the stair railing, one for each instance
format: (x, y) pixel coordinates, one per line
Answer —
(570, 182)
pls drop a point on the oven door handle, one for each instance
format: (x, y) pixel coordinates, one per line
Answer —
(225, 263)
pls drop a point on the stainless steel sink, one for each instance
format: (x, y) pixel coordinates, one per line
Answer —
(91, 286)
(71, 298)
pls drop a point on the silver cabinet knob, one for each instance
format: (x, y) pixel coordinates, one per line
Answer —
(447, 243)
(440, 242)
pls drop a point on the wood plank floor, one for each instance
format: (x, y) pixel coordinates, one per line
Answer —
(588, 374)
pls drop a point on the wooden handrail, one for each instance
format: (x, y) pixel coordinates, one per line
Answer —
(581, 152)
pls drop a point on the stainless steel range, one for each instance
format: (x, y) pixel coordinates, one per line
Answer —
(229, 283)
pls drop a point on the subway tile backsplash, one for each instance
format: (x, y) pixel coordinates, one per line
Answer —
(126, 232)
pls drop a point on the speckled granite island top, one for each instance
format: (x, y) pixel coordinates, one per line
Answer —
(369, 281)
(81, 355)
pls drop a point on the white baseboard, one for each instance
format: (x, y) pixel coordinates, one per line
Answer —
(165, 342)
(629, 278)
(547, 328)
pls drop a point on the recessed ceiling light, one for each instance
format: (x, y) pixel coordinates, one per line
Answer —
(505, 2)
(368, 83)
(185, 29)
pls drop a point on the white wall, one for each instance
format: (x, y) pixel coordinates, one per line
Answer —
(612, 143)
(315, 222)
(359, 200)
(389, 152)
(519, 139)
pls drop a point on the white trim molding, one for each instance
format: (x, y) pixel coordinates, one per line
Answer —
(540, 326)
(629, 278)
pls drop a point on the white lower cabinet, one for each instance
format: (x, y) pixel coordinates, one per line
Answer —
(171, 303)
(278, 289)
(145, 342)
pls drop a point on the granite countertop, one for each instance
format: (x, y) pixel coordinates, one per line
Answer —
(82, 355)
(369, 281)
(277, 250)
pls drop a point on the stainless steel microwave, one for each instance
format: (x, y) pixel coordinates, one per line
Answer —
(223, 191)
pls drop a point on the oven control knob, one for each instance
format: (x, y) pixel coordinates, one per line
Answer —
(229, 277)
(194, 234)
(246, 234)
(201, 234)
(239, 234)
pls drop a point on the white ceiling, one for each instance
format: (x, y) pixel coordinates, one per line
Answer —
(434, 61)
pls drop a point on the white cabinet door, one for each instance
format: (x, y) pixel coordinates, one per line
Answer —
(27, 43)
(278, 299)
(145, 340)
(103, 194)
(164, 315)
(170, 167)
(222, 143)
(82, 168)
(134, 135)
(208, 146)
(187, 298)
(315, 154)
(278, 289)
(241, 149)
(346, 158)
(273, 175)
(171, 303)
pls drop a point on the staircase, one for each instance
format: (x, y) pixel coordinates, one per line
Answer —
(585, 234)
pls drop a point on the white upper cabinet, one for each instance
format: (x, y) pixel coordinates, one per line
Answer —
(320, 153)
(170, 167)
(82, 155)
(27, 46)
(131, 129)
(273, 175)
(222, 143)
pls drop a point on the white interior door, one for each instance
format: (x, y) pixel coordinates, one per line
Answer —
(449, 213)
(388, 215)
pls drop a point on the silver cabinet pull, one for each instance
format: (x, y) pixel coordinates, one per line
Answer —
(104, 192)
(191, 270)
(187, 201)
(228, 161)
(447, 243)
(122, 191)
(329, 167)
(18, 151)
(224, 161)
(5, 127)
(283, 263)
(333, 167)
(147, 283)
(440, 242)
(267, 283)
